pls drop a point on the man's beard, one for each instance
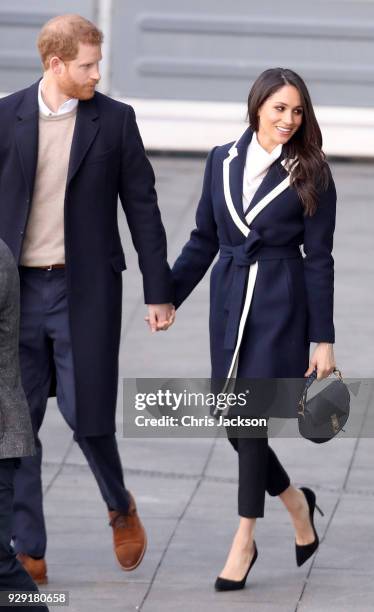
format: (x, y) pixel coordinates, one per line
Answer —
(72, 89)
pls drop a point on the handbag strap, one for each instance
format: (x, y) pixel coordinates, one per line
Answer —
(310, 379)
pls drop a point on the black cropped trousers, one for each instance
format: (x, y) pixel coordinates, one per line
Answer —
(260, 471)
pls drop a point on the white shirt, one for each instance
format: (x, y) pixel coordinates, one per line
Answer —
(66, 107)
(257, 164)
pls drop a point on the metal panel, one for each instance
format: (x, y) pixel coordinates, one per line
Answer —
(213, 51)
(187, 67)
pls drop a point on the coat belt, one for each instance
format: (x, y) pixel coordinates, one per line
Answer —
(243, 256)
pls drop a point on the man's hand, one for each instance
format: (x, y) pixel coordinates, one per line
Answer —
(160, 316)
(323, 359)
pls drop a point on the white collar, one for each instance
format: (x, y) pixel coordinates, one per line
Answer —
(66, 107)
(260, 157)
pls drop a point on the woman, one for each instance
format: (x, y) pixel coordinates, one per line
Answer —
(263, 196)
(16, 436)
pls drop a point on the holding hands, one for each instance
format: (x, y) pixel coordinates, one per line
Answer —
(160, 316)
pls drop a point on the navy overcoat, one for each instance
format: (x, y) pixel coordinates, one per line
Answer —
(107, 160)
(267, 300)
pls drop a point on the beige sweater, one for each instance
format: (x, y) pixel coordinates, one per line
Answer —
(43, 244)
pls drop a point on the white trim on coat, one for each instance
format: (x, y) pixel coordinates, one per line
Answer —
(245, 229)
(233, 152)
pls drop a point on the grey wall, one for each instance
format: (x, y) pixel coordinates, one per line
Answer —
(212, 50)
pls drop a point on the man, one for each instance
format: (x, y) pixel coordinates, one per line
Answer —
(67, 153)
(16, 437)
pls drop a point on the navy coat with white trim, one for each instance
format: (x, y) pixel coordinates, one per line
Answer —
(292, 301)
(107, 161)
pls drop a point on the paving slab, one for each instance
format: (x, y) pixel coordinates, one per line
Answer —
(339, 590)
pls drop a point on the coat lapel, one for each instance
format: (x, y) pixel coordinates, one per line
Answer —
(27, 128)
(237, 171)
(275, 181)
(86, 128)
(26, 135)
(275, 174)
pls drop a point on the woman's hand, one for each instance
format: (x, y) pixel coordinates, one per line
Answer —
(160, 316)
(323, 359)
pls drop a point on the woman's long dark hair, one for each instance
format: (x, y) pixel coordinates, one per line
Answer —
(311, 173)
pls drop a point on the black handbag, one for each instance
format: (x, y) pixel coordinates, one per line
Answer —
(325, 414)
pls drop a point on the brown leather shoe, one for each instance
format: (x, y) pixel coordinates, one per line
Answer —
(37, 568)
(129, 537)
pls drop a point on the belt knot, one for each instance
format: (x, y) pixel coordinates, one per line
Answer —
(245, 254)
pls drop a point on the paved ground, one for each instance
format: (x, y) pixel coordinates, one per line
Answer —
(186, 489)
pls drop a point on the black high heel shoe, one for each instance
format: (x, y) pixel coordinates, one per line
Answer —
(224, 584)
(304, 551)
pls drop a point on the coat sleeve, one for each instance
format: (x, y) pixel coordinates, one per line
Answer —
(319, 266)
(139, 201)
(199, 252)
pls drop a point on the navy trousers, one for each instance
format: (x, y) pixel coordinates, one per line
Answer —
(44, 342)
(13, 577)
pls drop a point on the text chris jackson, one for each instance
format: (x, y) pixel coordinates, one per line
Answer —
(205, 421)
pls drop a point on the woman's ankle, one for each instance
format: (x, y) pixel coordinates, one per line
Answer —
(245, 531)
(293, 500)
